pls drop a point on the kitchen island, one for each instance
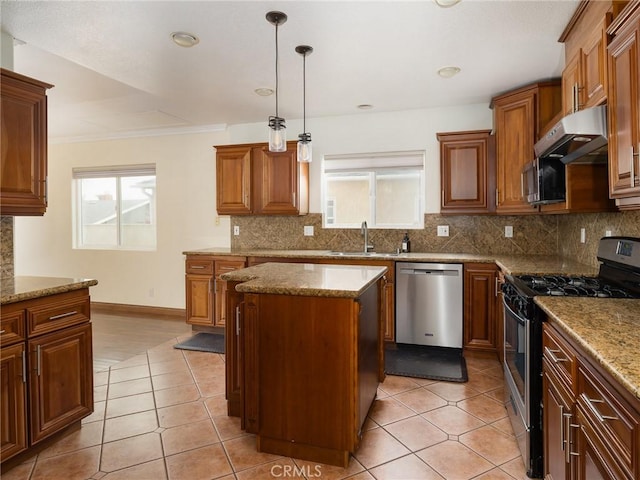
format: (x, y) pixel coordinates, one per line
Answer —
(304, 355)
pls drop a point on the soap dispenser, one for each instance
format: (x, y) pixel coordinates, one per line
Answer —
(406, 243)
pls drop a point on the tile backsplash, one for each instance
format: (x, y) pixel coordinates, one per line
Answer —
(532, 234)
(6, 246)
(535, 234)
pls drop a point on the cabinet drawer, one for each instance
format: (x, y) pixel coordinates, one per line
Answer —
(560, 356)
(62, 311)
(224, 266)
(615, 422)
(199, 266)
(12, 326)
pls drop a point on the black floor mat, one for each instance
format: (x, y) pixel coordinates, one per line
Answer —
(203, 342)
(421, 361)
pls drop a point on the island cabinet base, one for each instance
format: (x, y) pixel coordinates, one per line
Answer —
(309, 371)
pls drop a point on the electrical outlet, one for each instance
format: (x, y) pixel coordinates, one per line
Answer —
(236, 230)
(217, 220)
(508, 231)
(583, 235)
(308, 230)
(443, 230)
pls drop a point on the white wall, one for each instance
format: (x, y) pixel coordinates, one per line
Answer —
(185, 169)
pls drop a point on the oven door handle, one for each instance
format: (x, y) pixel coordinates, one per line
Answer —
(514, 314)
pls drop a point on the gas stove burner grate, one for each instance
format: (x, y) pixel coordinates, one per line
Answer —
(558, 285)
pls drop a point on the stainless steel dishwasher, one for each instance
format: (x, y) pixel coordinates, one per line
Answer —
(429, 304)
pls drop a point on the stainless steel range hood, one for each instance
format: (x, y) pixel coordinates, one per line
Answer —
(578, 137)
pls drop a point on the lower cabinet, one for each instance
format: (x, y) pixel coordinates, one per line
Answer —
(591, 424)
(47, 368)
(480, 307)
(205, 291)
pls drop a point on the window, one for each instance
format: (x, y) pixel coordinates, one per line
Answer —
(385, 189)
(115, 207)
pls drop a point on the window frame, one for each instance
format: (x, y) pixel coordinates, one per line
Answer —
(117, 172)
(373, 164)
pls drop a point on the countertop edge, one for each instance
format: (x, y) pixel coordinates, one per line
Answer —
(46, 291)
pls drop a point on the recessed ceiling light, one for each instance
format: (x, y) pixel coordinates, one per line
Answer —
(184, 39)
(446, 3)
(264, 91)
(365, 106)
(448, 72)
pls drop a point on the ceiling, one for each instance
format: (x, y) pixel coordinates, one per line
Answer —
(116, 71)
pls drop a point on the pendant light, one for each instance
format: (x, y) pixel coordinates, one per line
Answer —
(277, 126)
(304, 139)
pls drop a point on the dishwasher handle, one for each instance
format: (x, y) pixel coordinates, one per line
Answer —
(427, 271)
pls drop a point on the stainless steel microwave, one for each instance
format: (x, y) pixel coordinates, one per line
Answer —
(543, 181)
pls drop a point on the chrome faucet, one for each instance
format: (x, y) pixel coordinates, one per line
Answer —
(364, 231)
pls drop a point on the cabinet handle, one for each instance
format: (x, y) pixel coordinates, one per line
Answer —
(522, 185)
(442, 200)
(238, 320)
(24, 366)
(63, 315)
(497, 198)
(2, 331)
(601, 417)
(575, 98)
(293, 198)
(552, 356)
(196, 267)
(497, 286)
(632, 167)
(564, 433)
(46, 190)
(38, 356)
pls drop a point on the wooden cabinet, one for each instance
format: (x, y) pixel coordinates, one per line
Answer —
(624, 108)
(519, 119)
(480, 293)
(205, 291)
(23, 174)
(251, 180)
(584, 79)
(47, 368)
(467, 172)
(314, 407)
(591, 423)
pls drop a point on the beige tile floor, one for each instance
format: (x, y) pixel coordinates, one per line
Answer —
(162, 415)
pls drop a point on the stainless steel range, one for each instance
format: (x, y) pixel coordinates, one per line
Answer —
(618, 277)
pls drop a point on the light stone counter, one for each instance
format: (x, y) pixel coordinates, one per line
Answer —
(17, 289)
(306, 279)
(607, 329)
(510, 264)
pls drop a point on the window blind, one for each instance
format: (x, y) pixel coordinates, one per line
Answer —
(413, 160)
(115, 171)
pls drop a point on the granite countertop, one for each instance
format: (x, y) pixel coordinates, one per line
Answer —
(306, 279)
(510, 264)
(19, 288)
(607, 329)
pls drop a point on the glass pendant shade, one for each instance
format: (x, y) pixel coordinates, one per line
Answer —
(277, 134)
(305, 150)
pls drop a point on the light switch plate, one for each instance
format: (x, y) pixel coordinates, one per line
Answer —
(583, 235)
(236, 230)
(508, 231)
(608, 233)
(308, 230)
(443, 230)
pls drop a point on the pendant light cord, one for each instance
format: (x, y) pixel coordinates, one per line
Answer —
(304, 93)
(277, 69)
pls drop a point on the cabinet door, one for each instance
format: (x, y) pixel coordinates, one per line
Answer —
(233, 180)
(276, 181)
(594, 82)
(479, 306)
(23, 174)
(199, 290)
(466, 172)
(13, 415)
(624, 111)
(514, 127)
(572, 92)
(220, 301)
(60, 380)
(557, 420)
(234, 338)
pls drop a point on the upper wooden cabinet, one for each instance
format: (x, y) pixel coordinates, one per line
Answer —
(467, 172)
(23, 175)
(251, 180)
(624, 108)
(584, 79)
(519, 119)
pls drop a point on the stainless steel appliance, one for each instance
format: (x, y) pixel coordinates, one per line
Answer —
(578, 137)
(429, 304)
(543, 181)
(618, 277)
